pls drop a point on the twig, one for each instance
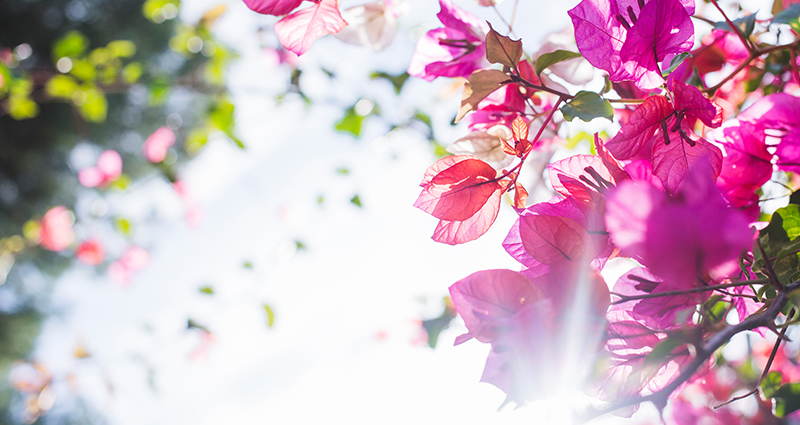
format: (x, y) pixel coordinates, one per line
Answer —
(626, 298)
(659, 398)
(764, 372)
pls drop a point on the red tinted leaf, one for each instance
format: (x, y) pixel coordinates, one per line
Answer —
(520, 196)
(519, 128)
(298, 31)
(502, 50)
(671, 162)
(551, 239)
(487, 295)
(456, 187)
(508, 148)
(480, 84)
(457, 232)
(640, 128)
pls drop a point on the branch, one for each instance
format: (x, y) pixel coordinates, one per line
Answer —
(764, 372)
(659, 398)
(626, 298)
(735, 29)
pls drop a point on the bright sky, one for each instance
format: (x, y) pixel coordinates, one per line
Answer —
(345, 344)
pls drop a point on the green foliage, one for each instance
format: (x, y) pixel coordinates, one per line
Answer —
(351, 122)
(781, 245)
(676, 62)
(789, 16)
(587, 106)
(355, 200)
(398, 81)
(745, 25)
(549, 59)
(72, 43)
(207, 290)
(434, 327)
(270, 315)
(786, 397)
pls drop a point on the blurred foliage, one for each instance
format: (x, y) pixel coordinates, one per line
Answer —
(90, 75)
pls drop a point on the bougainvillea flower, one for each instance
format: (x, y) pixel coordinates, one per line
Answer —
(273, 7)
(56, 231)
(453, 51)
(642, 222)
(108, 169)
(156, 145)
(91, 252)
(667, 311)
(629, 39)
(625, 368)
(526, 320)
(779, 115)
(747, 163)
(463, 193)
(664, 125)
(371, 25)
(485, 145)
(298, 31)
(486, 296)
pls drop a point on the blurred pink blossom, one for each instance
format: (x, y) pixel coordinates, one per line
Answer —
(91, 252)
(134, 259)
(56, 233)
(155, 147)
(108, 169)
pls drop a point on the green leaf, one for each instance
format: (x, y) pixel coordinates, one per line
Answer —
(72, 43)
(343, 171)
(91, 103)
(222, 117)
(158, 91)
(195, 141)
(770, 384)
(676, 62)
(351, 122)
(503, 50)
(787, 399)
(779, 240)
(356, 201)
(61, 86)
(132, 72)
(480, 84)
(549, 59)
(587, 105)
(607, 86)
(300, 246)
(83, 69)
(270, 315)
(789, 16)
(21, 107)
(124, 226)
(745, 25)
(794, 198)
(121, 48)
(207, 290)
(398, 81)
(248, 265)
